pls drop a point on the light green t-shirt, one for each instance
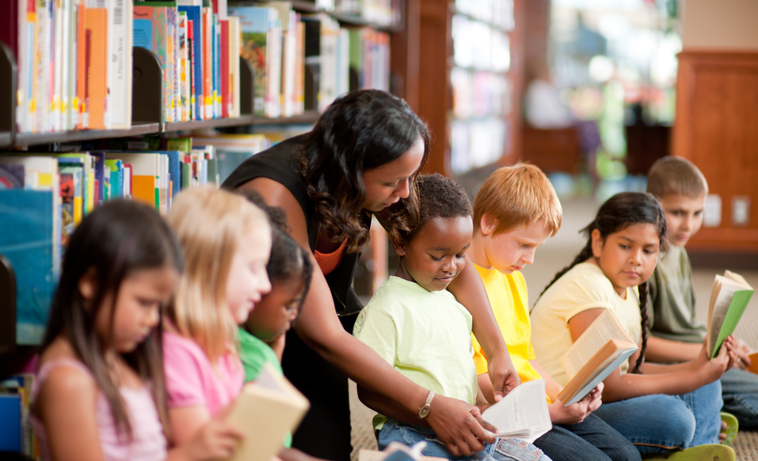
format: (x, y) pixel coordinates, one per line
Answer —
(254, 354)
(583, 287)
(672, 299)
(425, 335)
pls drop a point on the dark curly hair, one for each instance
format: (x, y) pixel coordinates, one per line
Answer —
(439, 197)
(616, 214)
(359, 131)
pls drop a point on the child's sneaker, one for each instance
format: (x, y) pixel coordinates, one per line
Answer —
(714, 452)
(732, 426)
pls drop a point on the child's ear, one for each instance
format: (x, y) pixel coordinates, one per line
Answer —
(487, 225)
(399, 248)
(88, 284)
(597, 243)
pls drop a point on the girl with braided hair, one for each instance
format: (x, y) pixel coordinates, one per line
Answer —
(659, 408)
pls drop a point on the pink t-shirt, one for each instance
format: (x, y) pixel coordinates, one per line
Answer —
(191, 379)
(147, 442)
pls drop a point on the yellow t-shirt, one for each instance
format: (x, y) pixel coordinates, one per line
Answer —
(583, 287)
(509, 300)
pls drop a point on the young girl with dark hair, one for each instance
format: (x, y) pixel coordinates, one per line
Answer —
(659, 408)
(361, 157)
(100, 392)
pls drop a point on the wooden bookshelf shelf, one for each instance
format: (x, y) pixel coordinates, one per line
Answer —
(302, 119)
(31, 139)
(212, 123)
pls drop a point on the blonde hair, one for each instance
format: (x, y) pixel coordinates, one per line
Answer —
(676, 175)
(210, 224)
(516, 195)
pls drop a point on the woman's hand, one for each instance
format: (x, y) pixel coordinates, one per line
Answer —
(459, 426)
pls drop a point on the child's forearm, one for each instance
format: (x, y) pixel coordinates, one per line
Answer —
(667, 351)
(629, 385)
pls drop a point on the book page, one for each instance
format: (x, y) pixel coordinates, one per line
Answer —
(607, 359)
(718, 328)
(521, 413)
(602, 330)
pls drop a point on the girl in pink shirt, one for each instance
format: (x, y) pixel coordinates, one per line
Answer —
(222, 280)
(100, 389)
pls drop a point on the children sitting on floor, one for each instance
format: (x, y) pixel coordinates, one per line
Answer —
(417, 326)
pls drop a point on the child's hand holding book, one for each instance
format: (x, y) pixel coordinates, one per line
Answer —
(578, 411)
(710, 369)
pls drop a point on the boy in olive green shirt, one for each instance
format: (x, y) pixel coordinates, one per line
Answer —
(676, 335)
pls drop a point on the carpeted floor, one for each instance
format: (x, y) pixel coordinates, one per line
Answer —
(553, 256)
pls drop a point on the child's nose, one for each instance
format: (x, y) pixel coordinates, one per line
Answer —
(448, 265)
(153, 317)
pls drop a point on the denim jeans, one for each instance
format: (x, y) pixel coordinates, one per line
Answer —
(501, 450)
(591, 440)
(661, 423)
(740, 391)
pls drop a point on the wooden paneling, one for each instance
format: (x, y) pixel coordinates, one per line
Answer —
(435, 98)
(717, 129)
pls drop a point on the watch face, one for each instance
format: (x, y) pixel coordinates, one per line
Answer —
(423, 412)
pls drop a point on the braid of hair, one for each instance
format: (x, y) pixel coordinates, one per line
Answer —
(643, 313)
(581, 257)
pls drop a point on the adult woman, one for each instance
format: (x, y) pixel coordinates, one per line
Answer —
(360, 158)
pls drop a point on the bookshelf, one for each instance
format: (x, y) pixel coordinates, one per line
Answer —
(469, 64)
(147, 119)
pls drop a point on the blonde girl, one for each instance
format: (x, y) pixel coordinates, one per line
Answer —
(222, 280)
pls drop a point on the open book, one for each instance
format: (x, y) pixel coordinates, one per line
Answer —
(522, 414)
(265, 411)
(729, 297)
(601, 349)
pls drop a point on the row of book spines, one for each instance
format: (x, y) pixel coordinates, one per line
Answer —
(75, 69)
(60, 86)
(199, 53)
(85, 180)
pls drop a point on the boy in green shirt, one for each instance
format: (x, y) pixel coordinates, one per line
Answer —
(676, 335)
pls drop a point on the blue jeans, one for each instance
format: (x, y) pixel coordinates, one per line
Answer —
(740, 391)
(591, 440)
(661, 423)
(501, 450)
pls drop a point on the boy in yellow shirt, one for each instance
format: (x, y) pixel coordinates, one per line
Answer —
(515, 211)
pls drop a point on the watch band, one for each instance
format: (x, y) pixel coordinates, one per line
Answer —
(423, 412)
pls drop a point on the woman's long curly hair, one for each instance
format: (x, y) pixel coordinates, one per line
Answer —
(616, 214)
(361, 130)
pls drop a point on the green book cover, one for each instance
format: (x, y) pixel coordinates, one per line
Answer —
(730, 296)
